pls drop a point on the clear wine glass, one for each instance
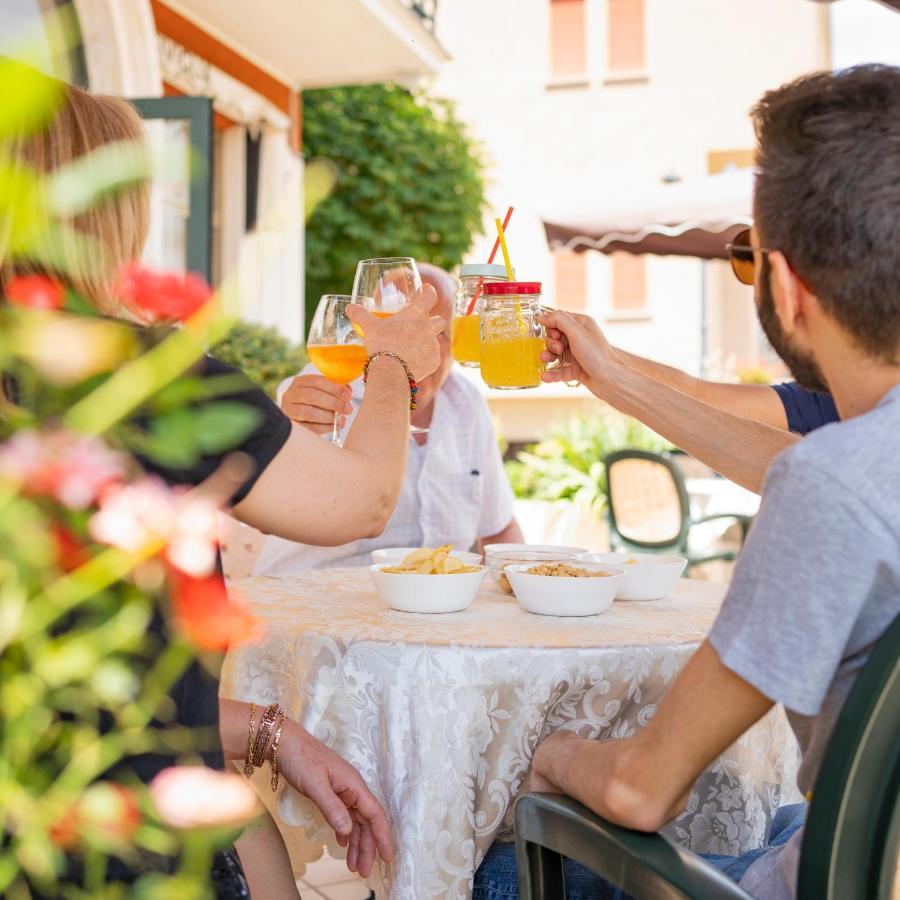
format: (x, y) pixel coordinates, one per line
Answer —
(335, 347)
(385, 285)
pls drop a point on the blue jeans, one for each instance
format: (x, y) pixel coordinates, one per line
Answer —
(496, 878)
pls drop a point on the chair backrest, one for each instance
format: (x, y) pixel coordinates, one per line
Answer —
(648, 501)
(852, 834)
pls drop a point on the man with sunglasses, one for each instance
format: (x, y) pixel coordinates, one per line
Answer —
(803, 609)
(736, 429)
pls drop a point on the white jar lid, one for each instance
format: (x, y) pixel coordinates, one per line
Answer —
(484, 270)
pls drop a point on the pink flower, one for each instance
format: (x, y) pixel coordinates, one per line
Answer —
(135, 515)
(71, 468)
(36, 292)
(206, 615)
(197, 797)
(162, 295)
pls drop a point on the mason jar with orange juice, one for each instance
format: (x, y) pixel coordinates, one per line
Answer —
(465, 328)
(512, 338)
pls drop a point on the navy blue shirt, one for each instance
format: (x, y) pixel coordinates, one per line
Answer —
(806, 410)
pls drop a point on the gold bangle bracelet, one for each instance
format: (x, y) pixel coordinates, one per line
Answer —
(274, 761)
(262, 736)
(248, 765)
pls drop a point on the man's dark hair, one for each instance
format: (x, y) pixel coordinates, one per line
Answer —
(828, 194)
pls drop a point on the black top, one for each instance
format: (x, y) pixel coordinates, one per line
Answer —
(806, 410)
(196, 694)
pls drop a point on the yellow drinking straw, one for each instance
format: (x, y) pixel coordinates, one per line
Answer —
(509, 271)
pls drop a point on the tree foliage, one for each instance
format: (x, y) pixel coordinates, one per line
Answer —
(409, 182)
(263, 354)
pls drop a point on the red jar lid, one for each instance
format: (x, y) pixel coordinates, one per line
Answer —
(512, 287)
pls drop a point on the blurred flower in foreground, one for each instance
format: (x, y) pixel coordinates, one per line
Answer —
(67, 349)
(205, 614)
(71, 468)
(162, 295)
(197, 797)
(35, 292)
(135, 515)
(106, 814)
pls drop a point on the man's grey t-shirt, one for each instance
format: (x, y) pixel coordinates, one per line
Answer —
(817, 584)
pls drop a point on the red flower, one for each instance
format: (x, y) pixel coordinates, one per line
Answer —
(36, 292)
(70, 552)
(106, 812)
(205, 615)
(162, 295)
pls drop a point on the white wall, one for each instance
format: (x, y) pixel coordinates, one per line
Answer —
(707, 62)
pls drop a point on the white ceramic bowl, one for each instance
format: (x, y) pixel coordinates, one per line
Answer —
(499, 556)
(650, 577)
(553, 595)
(393, 556)
(427, 593)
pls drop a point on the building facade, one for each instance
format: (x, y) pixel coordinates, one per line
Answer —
(253, 64)
(600, 98)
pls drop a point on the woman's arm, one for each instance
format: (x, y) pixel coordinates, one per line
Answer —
(265, 861)
(317, 493)
(317, 772)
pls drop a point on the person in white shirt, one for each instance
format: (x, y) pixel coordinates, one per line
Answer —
(455, 490)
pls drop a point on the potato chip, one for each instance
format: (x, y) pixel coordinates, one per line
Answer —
(426, 561)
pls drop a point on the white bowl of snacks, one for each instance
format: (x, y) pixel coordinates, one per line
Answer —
(396, 555)
(565, 588)
(648, 576)
(428, 581)
(499, 556)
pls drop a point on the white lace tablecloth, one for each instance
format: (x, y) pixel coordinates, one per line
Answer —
(441, 714)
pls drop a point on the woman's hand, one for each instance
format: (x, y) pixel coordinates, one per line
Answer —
(411, 333)
(580, 347)
(340, 794)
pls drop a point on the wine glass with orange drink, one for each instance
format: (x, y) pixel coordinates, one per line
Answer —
(335, 347)
(385, 285)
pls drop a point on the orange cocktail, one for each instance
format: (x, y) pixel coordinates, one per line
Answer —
(465, 340)
(512, 362)
(342, 363)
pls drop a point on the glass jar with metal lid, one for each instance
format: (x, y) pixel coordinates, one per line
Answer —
(465, 330)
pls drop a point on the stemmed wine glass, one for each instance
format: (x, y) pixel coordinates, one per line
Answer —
(385, 285)
(335, 347)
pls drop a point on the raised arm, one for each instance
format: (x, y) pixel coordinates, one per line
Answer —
(737, 447)
(317, 493)
(758, 402)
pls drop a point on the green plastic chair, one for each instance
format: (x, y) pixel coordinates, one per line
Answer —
(850, 843)
(649, 508)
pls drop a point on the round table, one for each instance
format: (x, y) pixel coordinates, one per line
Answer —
(441, 713)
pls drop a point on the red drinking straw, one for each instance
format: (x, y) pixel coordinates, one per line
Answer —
(480, 288)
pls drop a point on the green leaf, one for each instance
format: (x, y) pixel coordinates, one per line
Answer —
(30, 98)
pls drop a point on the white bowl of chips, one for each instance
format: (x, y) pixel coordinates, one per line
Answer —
(648, 576)
(565, 588)
(396, 555)
(428, 581)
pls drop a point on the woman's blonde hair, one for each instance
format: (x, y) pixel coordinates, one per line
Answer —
(115, 226)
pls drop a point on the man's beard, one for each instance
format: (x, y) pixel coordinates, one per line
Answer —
(802, 365)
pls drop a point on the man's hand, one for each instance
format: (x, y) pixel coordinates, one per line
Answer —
(411, 333)
(581, 348)
(312, 401)
(340, 794)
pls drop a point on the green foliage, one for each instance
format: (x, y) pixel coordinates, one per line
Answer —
(265, 356)
(568, 463)
(409, 182)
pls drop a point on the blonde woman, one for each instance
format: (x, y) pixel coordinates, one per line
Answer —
(291, 490)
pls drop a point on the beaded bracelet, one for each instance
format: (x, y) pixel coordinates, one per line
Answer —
(413, 385)
(248, 766)
(274, 763)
